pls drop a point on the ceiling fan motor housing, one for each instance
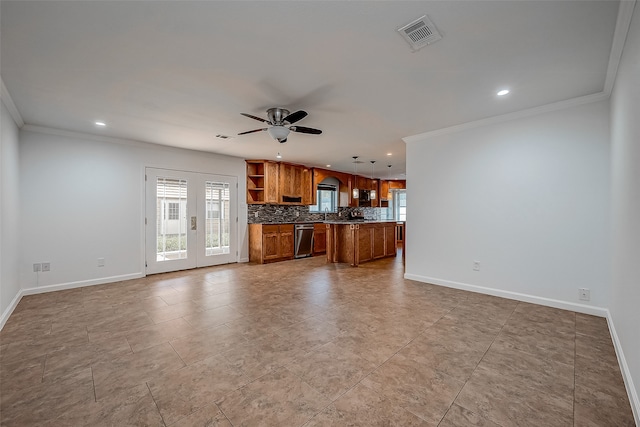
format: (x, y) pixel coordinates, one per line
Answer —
(276, 115)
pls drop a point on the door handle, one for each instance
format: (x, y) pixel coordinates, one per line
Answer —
(194, 224)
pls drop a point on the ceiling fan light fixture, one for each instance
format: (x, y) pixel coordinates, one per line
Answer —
(279, 133)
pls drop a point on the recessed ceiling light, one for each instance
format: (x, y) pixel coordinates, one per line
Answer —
(278, 156)
(388, 154)
(328, 166)
(503, 92)
(101, 124)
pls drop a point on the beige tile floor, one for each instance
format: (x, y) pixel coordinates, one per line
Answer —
(302, 343)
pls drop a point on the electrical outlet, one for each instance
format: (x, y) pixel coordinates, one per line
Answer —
(584, 294)
(46, 266)
(100, 262)
(297, 214)
(476, 265)
(37, 267)
(256, 214)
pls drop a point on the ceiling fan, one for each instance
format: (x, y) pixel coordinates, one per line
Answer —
(281, 120)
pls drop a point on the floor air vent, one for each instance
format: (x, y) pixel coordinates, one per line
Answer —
(420, 33)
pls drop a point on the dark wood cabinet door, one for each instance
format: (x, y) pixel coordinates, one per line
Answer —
(271, 182)
(286, 244)
(270, 245)
(390, 239)
(319, 241)
(379, 248)
(365, 235)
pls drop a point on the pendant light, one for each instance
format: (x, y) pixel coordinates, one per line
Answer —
(389, 193)
(355, 193)
(372, 194)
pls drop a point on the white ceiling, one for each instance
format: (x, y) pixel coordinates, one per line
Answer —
(178, 73)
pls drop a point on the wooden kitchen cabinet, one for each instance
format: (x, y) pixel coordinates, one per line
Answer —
(355, 243)
(319, 239)
(270, 242)
(363, 183)
(278, 183)
(364, 238)
(398, 184)
(379, 241)
(382, 200)
(262, 181)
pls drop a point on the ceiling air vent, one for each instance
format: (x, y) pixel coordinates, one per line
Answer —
(420, 33)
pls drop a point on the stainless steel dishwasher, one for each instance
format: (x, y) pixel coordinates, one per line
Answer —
(303, 240)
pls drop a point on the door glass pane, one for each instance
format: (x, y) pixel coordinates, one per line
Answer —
(402, 205)
(217, 223)
(171, 214)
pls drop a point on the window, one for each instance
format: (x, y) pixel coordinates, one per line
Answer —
(401, 200)
(397, 210)
(327, 199)
(173, 211)
(213, 209)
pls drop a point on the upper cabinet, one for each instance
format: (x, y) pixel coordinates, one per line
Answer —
(278, 183)
(399, 184)
(281, 183)
(262, 182)
(295, 184)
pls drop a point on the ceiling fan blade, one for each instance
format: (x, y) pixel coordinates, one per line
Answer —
(302, 129)
(255, 117)
(294, 117)
(252, 131)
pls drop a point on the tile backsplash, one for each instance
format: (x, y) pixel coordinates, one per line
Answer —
(287, 214)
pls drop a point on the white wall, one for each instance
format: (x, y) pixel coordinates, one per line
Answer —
(527, 198)
(625, 140)
(9, 212)
(82, 198)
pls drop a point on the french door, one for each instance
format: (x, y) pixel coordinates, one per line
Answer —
(191, 220)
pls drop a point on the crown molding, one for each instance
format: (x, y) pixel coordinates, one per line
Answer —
(587, 99)
(114, 140)
(625, 13)
(11, 106)
(623, 21)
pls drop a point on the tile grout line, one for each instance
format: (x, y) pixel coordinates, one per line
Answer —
(372, 371)
(465, 382)
(478, 364)
(156, 403)
(93, 381)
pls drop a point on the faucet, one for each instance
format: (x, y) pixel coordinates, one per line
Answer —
(326, 211)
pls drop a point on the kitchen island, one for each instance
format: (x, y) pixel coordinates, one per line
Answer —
(356, 242)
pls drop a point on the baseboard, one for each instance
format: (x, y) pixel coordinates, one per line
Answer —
(81, 283)
(624, 368)
(61, 287)
(563, 305)
(10, 308)
(244, 259)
